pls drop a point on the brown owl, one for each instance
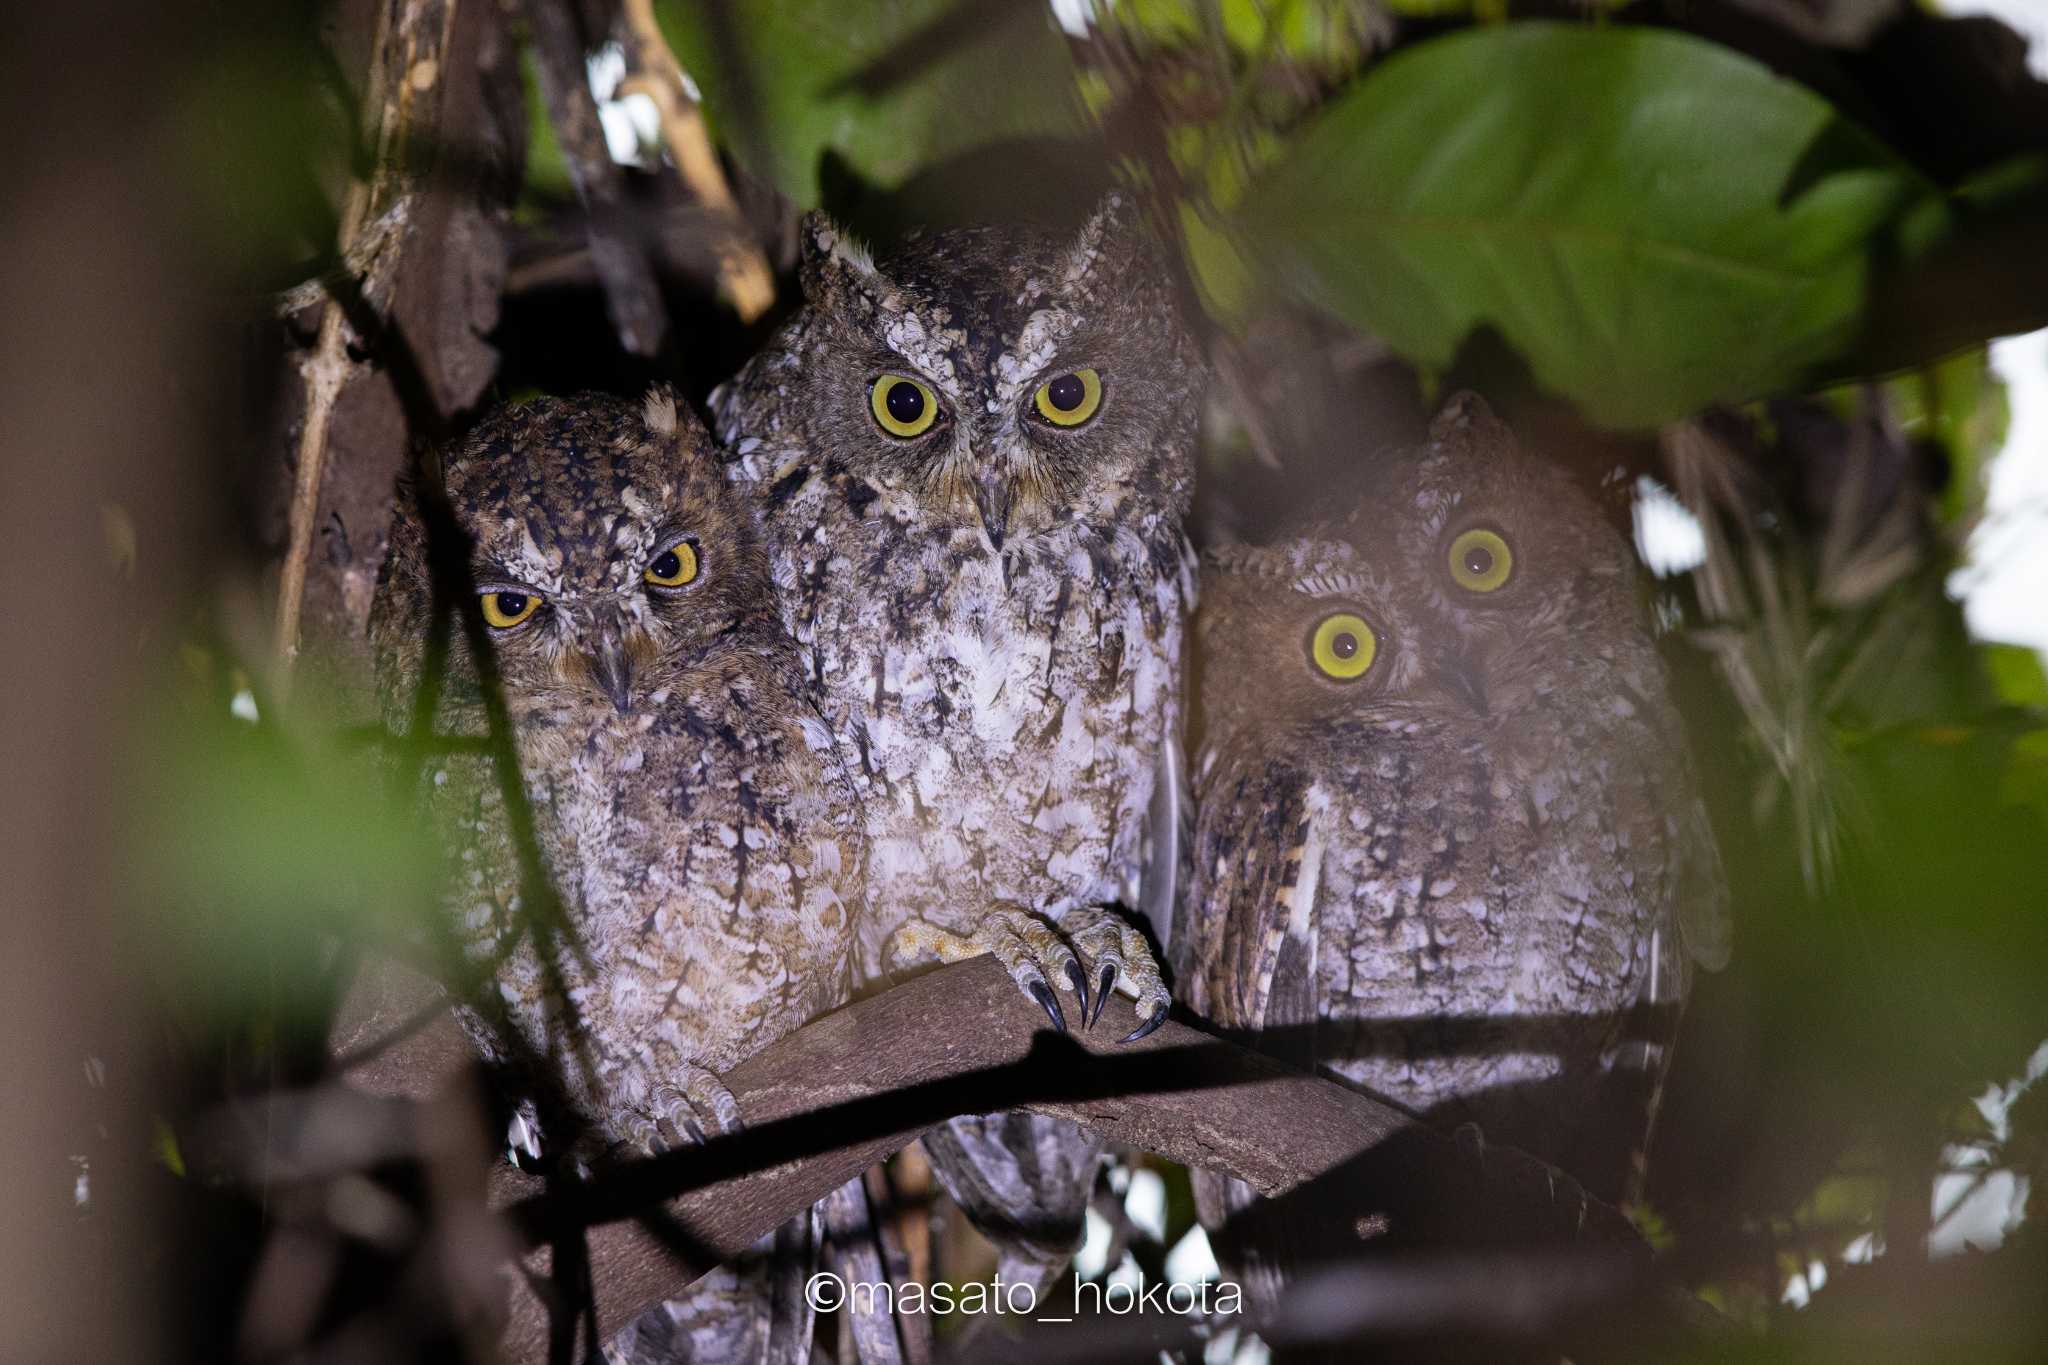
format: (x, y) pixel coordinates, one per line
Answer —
(1448, 842)
(660, 864)
(972, 457)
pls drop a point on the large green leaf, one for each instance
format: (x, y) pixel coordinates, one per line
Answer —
(1652, 221)
(891, 88)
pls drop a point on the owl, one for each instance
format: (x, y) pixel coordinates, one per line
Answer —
(660, 852)
(972, 459)
(1448, 844)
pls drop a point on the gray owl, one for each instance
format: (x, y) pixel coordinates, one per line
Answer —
(972, 459)
(672, 877)
(1448, 842)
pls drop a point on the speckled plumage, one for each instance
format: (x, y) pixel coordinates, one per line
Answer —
(1459, 880)
(700, 847)
(993, 608)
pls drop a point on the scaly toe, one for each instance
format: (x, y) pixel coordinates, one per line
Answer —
(1121, 957)
(1154, 1000)
(695, 1106)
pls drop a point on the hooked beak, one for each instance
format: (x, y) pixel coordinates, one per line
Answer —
(612, 667)
(1465, 681)
(993, 494)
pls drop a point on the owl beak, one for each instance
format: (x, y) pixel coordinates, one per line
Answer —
(993, 494)
(612, 667)
(1466, 681)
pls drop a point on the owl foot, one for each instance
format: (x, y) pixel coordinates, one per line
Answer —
(689, 1107)
(1037, 954)
(523, 1140)
(1121, 958)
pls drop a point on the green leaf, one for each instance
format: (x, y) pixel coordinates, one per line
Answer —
(248, 851)
(1653, 222)
(2018, 675)
(1961, 403)
(547, 169)
(891, 88)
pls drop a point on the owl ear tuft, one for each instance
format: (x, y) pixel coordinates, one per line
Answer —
(1108, 236)
(1466, 421)
(658, 409)
(828, 255)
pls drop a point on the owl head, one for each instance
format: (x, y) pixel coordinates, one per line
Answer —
(607, 557)
(1473, 581)
(1008, 378)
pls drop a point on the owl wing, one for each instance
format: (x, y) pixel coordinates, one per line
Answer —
(1168, 832)
(1703, 920)
(1167, 837)
(1251, 950)
(1254, 928)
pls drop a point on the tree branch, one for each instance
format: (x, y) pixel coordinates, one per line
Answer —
(869, 1078)
(743, 273)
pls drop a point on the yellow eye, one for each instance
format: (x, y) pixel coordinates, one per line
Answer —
(1343, 646)
(903, 406)
(1070, 399)
(674, 567)
(1481, 560)
(505, 609)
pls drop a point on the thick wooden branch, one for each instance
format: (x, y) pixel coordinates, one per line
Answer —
(873, 1076)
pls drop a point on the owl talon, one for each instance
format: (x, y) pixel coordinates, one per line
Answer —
(1027, 945)
(1042, 993)
(1121, 957)
(1080, 980)
(686, 1111)
(1150, 1025)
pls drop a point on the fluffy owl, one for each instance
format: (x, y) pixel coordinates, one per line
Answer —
(1448, 842)
(972, 459)
(660, 871)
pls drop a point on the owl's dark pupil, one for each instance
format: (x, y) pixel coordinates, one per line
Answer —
(1066, 392)
(1345, 645)
(668, 566)
(511, 603)
(904, 402)
(1478, 561)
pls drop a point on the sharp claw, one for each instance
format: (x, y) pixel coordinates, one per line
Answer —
(1152, 1022)
(1102, 992)
(1042, 993)
(1080, 980)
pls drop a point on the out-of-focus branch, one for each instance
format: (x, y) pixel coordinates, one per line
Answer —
(743, 273)
(107, 375)
(827, 1101)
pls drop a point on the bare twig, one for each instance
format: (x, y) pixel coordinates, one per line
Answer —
(325, 371)
(632, 296)
(743, 273)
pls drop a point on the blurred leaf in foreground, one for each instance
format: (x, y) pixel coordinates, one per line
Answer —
(1652, 221)
(253, 850)
(890, 88)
